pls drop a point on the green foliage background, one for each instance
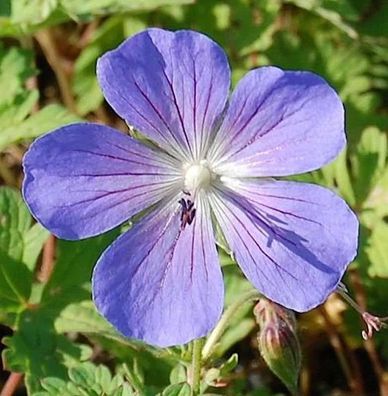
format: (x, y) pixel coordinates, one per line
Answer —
(48, 53)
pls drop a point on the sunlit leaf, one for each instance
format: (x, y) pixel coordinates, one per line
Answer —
(17, 103)
(34, 349)
(15, 247)
(177, 390)
(377, 251)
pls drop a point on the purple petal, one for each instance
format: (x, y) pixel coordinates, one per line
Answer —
(159, 284)
(84, 179)
(293, 241)
(172, 87)
(279, 123)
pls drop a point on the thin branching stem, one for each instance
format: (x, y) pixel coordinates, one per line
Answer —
(48, 46)
(337, 343)
(369, 343)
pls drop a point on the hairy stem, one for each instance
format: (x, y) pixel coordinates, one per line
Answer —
(219, 330)
(196, 362)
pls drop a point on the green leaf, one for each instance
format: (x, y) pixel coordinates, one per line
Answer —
(83, 318)
(45, 120)
(89, 380)
(104, 7)
(376, 23)
(235, 284)
(34, 239)
(104, 378)
(178, 374)
(53, 386)
(35, 349)
(15, 284)
(83, 375)
(32, 11)
(229, 365)
(15, 68)
(368, 162)
(332, 15)
(67, 295)
(24, 17)
(70, 280)
(15, 275)
(342, 178)
(20, 245)
(15, 221)
(377, 200)
(16, 102)
(377, 251)
(177, 390)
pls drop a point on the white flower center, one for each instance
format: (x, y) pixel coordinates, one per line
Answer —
(198, 176)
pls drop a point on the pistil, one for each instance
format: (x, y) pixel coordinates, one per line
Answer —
(197, 176)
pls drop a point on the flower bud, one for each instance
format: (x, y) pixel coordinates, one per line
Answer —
(278, 342)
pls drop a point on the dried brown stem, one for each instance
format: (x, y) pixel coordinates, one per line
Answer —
(347, 361)
(32, 82)
(48, 46)
(305, 381)
(369, 344)
(11, 384)
(6, 174)
(360, 297)
(88, 33)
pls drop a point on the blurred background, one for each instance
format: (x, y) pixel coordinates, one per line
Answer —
(54, 343)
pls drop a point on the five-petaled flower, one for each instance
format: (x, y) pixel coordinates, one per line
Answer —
(206, 161)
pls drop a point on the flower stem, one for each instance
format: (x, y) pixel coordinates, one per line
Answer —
(12, 384)
(48, 258)
(196, 367)
(219, 330)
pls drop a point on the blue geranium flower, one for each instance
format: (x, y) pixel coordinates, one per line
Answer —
(207, 160)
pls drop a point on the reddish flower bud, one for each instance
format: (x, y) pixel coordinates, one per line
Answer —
(278, 341)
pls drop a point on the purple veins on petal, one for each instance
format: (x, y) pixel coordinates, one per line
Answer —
(292, 240)
(176, 95)
(279, 123)
(84, 179)
(161, 284)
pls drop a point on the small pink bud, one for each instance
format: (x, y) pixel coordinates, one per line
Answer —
(372, 322)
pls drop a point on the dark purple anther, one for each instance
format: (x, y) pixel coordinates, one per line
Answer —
(188, 212)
